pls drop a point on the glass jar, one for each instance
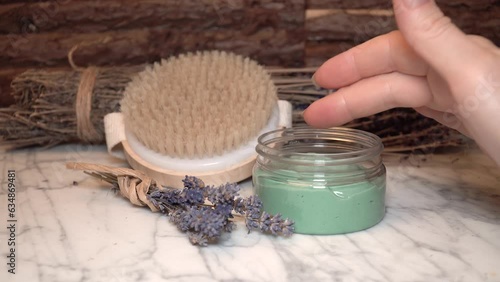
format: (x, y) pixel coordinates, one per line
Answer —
(329, 181)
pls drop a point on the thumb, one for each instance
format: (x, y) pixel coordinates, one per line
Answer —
(433, 36)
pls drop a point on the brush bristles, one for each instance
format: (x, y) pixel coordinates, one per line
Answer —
(199, 105)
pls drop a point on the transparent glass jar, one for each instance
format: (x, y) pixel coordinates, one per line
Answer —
(329, 181)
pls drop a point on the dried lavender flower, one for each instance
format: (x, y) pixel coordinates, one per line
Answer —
(191, 182)
(197, 239)
(261, 220)
(223, 194)
(204, 212)
(166, 199)
(193, 196)
(224, 209)
(239, 205)
(265, 222)
(250, 207)
(179, 218)
(287, 227)
(280, 226)
(229, 226)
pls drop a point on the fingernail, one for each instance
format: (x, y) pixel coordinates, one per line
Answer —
(314, 81)
(412, 4)
(302, 118)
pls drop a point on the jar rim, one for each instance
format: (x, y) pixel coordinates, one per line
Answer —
(369, 145)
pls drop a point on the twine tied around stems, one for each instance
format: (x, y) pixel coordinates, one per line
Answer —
(83, 103)
(83, 107)
(133, 184)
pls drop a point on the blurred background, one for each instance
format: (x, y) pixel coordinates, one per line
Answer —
(293, 33)
(49, 49)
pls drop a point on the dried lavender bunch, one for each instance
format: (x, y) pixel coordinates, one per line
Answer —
(205, 212)
(255, 218)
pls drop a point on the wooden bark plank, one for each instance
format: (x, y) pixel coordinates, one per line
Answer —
(317, 53)
(98, 16)
(348, 4)
(20, 1)
(379, 4)
(470, 4)
(323, 4)
(485, 22)
(335, 33)
(340, 25)
(267, 45)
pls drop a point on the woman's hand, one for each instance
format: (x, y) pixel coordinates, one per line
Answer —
(429, 65)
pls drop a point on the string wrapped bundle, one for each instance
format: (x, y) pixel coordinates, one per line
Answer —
(55, 107)
(62, 106)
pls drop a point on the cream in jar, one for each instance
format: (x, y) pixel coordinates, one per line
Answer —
(329, 181)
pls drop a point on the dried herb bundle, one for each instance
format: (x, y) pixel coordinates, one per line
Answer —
(203, 212)
(405, 130)
(45, 112)
(47, 108)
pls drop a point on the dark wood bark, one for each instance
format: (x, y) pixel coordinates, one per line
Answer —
(36, 33)
(482, 22)
(188, 16)
(471, 4)
(340, 26)
(267, 45)
(348, 4)
(317, 53)
(360, 27)
(378, 4)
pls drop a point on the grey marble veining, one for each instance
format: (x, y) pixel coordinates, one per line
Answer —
(442, 224)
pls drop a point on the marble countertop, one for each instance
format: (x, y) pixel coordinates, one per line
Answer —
(442, 224)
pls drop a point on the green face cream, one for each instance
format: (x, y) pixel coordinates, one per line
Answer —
(328, 181)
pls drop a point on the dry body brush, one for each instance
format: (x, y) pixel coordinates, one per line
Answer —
(69, 106)
(198, 105)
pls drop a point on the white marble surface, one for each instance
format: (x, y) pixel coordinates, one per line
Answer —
(442, 224)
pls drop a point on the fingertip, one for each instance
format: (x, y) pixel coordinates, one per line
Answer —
(313, 80)
(332, 74)
(310, 116)
(325, 113)
(307, 117)
(321, 78)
